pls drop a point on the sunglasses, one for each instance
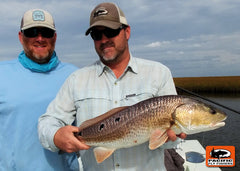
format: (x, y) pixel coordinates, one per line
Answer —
(34, 32)
(109, 33)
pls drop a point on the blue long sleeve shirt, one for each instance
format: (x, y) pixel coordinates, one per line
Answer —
(24, 96)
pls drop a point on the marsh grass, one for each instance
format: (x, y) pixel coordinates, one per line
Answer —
(230, 84)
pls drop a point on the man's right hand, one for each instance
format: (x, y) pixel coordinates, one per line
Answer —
(65, 140)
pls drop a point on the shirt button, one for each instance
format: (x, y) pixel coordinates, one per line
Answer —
(115, 83)
(117, 165)
(115, 102)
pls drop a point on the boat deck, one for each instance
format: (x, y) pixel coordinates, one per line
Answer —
(194, 145)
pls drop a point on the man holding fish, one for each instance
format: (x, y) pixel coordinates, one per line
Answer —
(117, 79)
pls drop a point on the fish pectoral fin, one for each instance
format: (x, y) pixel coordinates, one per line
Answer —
(157, 138)
(102, 153)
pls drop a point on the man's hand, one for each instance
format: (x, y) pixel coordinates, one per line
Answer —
(65, 140)
(172, 136)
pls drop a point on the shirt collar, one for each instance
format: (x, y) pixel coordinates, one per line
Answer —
(132, 66)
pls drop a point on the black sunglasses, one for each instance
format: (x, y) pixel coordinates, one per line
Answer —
(34, 31)
(109, 33)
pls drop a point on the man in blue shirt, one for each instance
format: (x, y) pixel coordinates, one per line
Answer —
(27, 85)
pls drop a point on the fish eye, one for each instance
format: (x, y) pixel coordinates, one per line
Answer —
(212, 111)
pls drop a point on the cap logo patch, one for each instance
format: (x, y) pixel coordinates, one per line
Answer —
(100, 11)
(38, 16)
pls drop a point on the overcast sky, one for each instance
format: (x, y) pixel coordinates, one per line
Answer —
(191, 37)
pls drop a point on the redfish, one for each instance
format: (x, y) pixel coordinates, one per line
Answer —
(148, 120)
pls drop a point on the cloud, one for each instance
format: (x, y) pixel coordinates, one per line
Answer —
(198, 55)
(154, 44)
(157, 44)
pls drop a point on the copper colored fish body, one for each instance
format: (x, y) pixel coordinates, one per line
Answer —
(148, 120)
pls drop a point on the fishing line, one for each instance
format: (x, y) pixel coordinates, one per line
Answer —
(204, 98)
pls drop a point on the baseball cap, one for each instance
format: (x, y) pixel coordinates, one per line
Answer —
(37, 18)
(107, 15)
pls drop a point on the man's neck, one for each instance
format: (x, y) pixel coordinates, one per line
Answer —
(119, 68)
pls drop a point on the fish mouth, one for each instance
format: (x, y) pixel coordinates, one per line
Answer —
(221, 123)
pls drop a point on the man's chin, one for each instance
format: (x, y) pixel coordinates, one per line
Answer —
(108, 61)
(41, 59)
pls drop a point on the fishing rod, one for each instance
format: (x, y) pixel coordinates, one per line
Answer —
(204, 98)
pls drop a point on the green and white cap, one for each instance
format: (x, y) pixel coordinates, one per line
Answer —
(37, 18)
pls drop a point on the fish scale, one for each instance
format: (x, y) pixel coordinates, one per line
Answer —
(148, 120)
(135, 118)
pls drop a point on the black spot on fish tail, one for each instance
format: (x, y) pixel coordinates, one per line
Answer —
(117, 119)
(101, 127)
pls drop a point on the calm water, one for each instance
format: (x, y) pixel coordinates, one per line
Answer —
(229, 135)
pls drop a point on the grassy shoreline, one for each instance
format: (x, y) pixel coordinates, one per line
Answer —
(225, 84)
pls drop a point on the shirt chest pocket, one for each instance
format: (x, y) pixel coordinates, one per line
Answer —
(91, 103)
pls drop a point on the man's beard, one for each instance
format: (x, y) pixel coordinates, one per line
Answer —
(39, 59)
(109, 59)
